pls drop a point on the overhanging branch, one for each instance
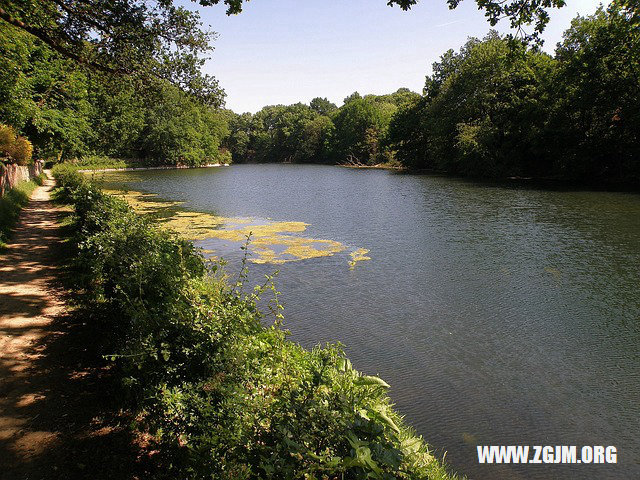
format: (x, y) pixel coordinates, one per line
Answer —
(57, 46)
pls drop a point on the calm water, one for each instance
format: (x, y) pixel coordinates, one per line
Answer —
(499, 315)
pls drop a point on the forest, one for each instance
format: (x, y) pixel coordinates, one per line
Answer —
(498, 107)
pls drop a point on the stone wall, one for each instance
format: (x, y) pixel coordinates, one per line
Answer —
(11, 174)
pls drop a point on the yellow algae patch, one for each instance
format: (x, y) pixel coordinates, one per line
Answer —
(358, 255)
(270, 242)
(297, 248)
(265, 255)
(309, 250)
(143, 202)
(199, 226)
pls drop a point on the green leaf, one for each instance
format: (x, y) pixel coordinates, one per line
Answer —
(371, 380)
(382, 415)
(411, 444)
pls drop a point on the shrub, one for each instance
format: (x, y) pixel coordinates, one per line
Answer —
(39, 180)
(21, 151)
(7, 137)
(10, 205)
(16, 148)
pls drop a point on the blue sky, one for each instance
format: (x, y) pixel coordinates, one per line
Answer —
(285, 51)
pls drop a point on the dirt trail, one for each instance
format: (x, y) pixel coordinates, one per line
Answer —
(28, 304)
(56, 419)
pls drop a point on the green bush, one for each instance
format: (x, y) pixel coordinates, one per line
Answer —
(39, 180)
(10, 205)
(226, 394)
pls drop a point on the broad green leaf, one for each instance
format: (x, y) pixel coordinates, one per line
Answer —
(371, 380)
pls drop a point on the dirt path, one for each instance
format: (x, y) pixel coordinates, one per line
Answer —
(27, 306)
(56, 420)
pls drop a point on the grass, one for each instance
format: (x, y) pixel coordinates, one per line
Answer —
(11, 204)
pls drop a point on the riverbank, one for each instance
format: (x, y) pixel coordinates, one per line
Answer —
(380, 166)
(133, 169)
(97, 163)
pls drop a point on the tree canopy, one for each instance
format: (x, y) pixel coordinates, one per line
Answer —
(69, 112)
(498, 108)
(162, 39)
(135, 37)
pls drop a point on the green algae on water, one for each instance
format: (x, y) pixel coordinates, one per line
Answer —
(271, 241)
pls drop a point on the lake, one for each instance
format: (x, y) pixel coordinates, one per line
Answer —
(499, 314)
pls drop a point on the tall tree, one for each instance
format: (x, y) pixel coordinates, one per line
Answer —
(482, 114)
(322, 105)
(360, 127)
(595, 123)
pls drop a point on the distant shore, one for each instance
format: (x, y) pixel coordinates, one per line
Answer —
(380, 166)
(164, 167)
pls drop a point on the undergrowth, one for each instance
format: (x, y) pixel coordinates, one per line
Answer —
(213, 378)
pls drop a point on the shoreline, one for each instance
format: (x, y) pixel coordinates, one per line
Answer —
(380, 166)
(163, 167)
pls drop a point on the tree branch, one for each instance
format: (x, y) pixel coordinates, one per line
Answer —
(63, 50)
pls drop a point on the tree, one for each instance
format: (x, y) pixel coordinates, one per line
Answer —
(595, 123)
(317, 140)
(483, 112)
(148, 39)
(350, 98)
(360, 127)
(238, 142)
(119, 113)
(180, 130)
(400, 97)
(322, 106)
(42, 96)
(279, 133)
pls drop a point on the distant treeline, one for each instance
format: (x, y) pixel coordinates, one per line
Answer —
(497, 108)
(319, 132)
